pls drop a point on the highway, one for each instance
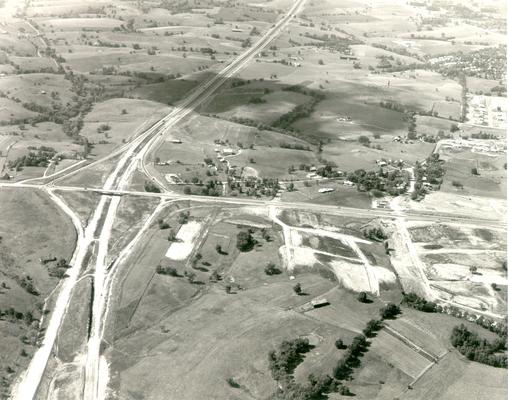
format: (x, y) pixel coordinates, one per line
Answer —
(419, 215)
(131, 155)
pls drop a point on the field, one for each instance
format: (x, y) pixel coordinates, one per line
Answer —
(23, 244)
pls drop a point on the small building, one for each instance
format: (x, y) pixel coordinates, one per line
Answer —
(177, 141)
(326, 190)
(348, 183)
(317, 303)
(228, 152)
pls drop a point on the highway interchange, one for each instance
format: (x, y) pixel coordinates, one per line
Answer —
(132, 157)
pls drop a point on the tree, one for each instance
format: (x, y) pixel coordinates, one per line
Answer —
(271, 269)
(244, 241)
(162, 224)
(339, 344)
(171, 236)
(454, 128)
(364, 140)
(362, 297)
(187, 190)
(372, 327)
(151, 187)
(389, 311)
(297, 289)
(218, 249)
(457, 184)
(183, 217)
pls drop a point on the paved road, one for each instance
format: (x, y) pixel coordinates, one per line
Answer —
(131, 154)
(422, 215)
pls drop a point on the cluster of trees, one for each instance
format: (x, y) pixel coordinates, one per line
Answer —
(411, 129)
(484, 135)
(59, 270)
(393, 105)
(372, 327)
(333, 42)
(393, 182)
(475, 348)
(389, 311)
(41, 158)
(26, 283)
(419, 303)
(351, 358)
(283, 362)
(300, 111)
(11, 314)
(151, 187)
(183, 217)
(432, 170)
(171, 271)
(294, 146)
(255, 186)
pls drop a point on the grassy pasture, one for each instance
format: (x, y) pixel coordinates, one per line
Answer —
(490, 183)
(132, 214)
(29, 88)
(33, 63)
(126, 119)
(23, 243)
(82, 203)
(11, 110)
(455, 378)
(273, 162)
(168, 92)
(341, 195)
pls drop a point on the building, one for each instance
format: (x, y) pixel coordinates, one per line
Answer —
(316, 303)
(177, 141)
(228, 152)
(326, 190)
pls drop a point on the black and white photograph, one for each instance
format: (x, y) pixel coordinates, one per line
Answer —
(253, 200)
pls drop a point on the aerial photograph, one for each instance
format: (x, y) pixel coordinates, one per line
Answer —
(253, 200)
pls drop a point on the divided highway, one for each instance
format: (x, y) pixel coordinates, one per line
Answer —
(132, 154)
